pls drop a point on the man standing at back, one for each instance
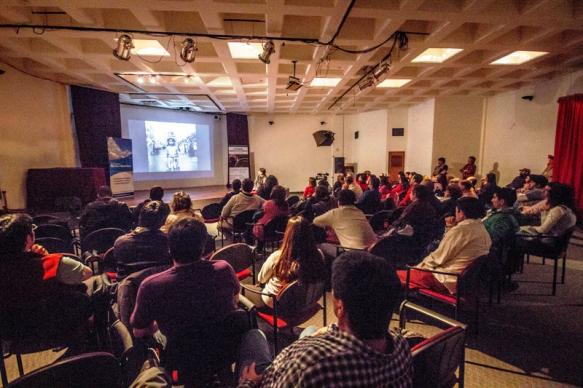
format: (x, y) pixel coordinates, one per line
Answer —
(104, 212)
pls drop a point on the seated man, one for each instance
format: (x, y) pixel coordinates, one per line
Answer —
(236, 189)
(501, 222)
(239, 203)
(43, 296)
(532, 191)
(358, 351)
(156, 194)
(519, 180)
(348, 222)
(467, 240)
(104, 212)
(189, 295)
(370, 202)
(353, 186)
(319, 204)
(146, 246)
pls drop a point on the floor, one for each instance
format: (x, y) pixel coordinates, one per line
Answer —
(531, 339)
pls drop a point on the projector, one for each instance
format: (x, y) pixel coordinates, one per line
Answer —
(293, 83)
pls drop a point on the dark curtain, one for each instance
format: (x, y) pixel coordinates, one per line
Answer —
(97, 117)
(568, 162)
(237, 135)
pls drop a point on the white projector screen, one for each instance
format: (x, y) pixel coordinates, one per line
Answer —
(173, 148)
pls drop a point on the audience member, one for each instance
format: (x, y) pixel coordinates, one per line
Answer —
(488, 189)
(385, 188)
(104, 212)
(260, 178)
(43, 295)
(352, 186)
(298, 259)
(501, 222)
(190, 295)
(548, 171)
(264, 190)
(181, 206)
(239, 203)
(236, 189)
(560, 216)
(415, 180)
(440, 172)
(324, 182)
(452, 194)
(361, 180)
(519, 181)
(338, 184)
(370, 202)
(358, 351)
(470, 168)
(401, 187)
(461, 245)
(348, 222)
(319, 204)
(532, 191)
(467, 189)
(156, 194)
(310, 189)
(275, 207)
(146, 246)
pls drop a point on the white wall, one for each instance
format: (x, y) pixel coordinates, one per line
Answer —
(397, 118)
(521, 133)
(369, 151)
(35, 131)
(418, 155)
(287, 148)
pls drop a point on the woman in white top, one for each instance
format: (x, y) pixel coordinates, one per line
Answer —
(559, 217)
(298, 259)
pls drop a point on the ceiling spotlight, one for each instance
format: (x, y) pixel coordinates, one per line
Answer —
(381, 70)
(294, 83)
(124, 48)
(141, 79)
(366, 83)
(268, 49)
(153, 79)
(188, 79)
(188, 50)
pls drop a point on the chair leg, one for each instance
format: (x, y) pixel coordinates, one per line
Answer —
(527, 258)
(325, 312)
(19, 363)
(564, 268)
(462, 369)
(555, 267)
(3, 374)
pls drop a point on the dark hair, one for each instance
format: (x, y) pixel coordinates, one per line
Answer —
(384, 180)
(278, 195)
(560, 194)
(403, 179)
(186, 240)
(473, 158)
(262, 170)
(104, 192)
(346, 197)
(422, 192)
(349, 179)
(14, 229)
(417, 178)
(236, 185)
(369, 289)
(442, 159)
(454, 191)
(270, 183)
(471, 207)
(539, 180)
(375, 182)
(299, 256)
(156, 193)
(312, 181)
(322, 192)
(181, 201)
(491, 178)
(506, 194)
(152, 215)
(466, 184)
(247, 185)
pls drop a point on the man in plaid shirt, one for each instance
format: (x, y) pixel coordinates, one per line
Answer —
(358, 351)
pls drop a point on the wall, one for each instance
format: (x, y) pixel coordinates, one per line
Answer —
(418, 155)
(457, 118)
(369, 151)
(520, 133)
(35, 131)
(287, 148)
(397, 118)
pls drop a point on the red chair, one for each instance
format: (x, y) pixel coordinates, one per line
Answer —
(468, 288)
(241, 257)
(436, 359)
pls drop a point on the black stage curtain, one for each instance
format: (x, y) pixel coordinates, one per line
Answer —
(97, 116)
(237, 135)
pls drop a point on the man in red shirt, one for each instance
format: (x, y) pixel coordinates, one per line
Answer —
(470, 168)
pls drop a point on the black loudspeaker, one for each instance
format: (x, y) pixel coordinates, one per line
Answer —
(324, 138)
(338, 165)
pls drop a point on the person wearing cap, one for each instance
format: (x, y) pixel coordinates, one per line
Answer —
(518, 182)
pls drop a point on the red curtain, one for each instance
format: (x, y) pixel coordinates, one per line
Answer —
(568, 162)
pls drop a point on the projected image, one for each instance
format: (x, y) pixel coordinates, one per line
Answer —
(171, 146)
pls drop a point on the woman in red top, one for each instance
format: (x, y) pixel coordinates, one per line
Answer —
(276, 206)
(361, 180)
(385, 188)
(310, 188)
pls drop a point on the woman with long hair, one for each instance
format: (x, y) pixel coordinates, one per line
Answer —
(264, 190)
(181, 207)
(298, 259)
(276, 206)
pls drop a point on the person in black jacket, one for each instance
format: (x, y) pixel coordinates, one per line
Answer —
(156, 194)
(236, 189)
(104, 212)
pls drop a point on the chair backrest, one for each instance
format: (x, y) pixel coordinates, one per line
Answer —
(53, 244)
(565, 238)
(54, 230)
(211, 211)
(90, 370)
(469, 282)
(241, 220)
(292, 200)
(239, 256)
(436, 359)
(45, 219)
(275, 228)
(298, 299)
(101, 240)
(378, 220)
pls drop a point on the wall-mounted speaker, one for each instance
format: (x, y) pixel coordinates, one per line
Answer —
(323, 138)
(398, 132)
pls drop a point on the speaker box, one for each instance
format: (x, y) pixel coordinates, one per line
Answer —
(338, 165)
(324, 138)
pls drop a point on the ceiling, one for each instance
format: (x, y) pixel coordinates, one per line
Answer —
(485, 30)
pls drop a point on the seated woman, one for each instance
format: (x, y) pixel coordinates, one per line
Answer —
(385, 188)
(489, 187)
(298, 259)
(276, 206)
(560, 216)
(181, 207)
(310, 188)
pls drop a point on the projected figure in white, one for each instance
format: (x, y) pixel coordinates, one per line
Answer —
(171, 146)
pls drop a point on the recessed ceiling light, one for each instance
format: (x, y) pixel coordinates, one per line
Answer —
(436, 55)
(243, 50)
(393, 83)
(149, 47)
(221, 82)
(518, 57)
(325, 82)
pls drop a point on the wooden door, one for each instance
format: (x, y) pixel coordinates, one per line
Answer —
(396, 164)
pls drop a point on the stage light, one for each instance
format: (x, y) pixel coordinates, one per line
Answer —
(381, 70)
(153, 79)
(268, 49)
(141, 79)
(124, 47)
(188, 79)
(188, 50)
(366, 83)
(294, 83)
